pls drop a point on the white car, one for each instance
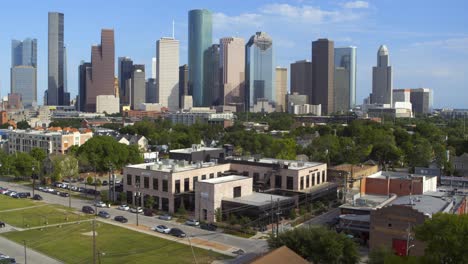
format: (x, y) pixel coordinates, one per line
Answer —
(192, 222)
(12, 193)
(162, 229)
(136, 210)
(124, 207)
(101, 204)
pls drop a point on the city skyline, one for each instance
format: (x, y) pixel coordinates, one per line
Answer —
(421, 57)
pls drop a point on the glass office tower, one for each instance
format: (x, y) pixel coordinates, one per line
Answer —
(259, 69)
(200, 40)
(345, 57)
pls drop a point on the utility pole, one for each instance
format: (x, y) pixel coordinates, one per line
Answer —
(137, 202)
(25, 256)
(94, 241)
(95, 192)
(277, 217)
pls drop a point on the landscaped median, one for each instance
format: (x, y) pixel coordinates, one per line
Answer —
(73, 243)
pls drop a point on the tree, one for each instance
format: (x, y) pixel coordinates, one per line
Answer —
(123, 197)
(104, 196)
(89, 180)
(150, 202)
(446, 238)
(23, 125)
(64, 166)
(218, 215)
(23, 163)
(38, 154)
(318, 245)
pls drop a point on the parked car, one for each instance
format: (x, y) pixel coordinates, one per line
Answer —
(162, 229)
(87, 210)
(136, 210)
(12, 193)
(165, 217)
(37, 197)
(6, 259)
(3, 191)
(120, 219)
(192, 222)
(123, 207)
(148, 212)
(209, 227)
(104, 214)
(64, 194)
(101, 204)
(177, 232)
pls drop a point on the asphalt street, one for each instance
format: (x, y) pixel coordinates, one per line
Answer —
(248, 245)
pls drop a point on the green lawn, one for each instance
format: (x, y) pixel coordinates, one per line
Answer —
(39, 216)
(7, 203)
(73, 244)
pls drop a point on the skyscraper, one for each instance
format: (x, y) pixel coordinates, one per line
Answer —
(183, 83)
(322, 74)
(281, 88)
(232, 62)
(137, 87)
(100, 80)
(301, 78)
(55, 90)
(212, 94)
(82, 72)
(151, 91)
(167, 71)
(23, 72)
(421, 100)
(125, 68)
(382, 79)
(153, 68)
(200, 40)
(341, 90)
(259, 69)
(345, 57)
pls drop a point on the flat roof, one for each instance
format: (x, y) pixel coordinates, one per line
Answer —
(258, 199)
(423, 203)
(224, 179)
(398, 175)
(292, 164)
(169, 165)
(191, 150)
(368, 201)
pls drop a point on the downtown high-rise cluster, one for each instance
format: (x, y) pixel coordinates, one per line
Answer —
(232, 72)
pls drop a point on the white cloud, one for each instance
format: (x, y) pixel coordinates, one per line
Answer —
(454, 44)
(356, 4)
(245, 20)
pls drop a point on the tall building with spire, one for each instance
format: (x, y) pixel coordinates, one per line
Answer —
(200, 32)
(56, 59)
(382, 79)
(100, 79)
(259, 69)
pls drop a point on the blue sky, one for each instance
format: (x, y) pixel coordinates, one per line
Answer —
(428, 40)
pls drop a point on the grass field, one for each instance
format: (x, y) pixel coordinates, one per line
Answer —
(41, 215)
(73, 244)
(7, 203)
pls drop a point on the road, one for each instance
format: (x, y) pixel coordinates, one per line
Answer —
(229, 241)
(323, 218)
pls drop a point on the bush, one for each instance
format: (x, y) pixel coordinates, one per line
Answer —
(89, 180)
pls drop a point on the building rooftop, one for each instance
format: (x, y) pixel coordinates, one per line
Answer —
(397, 175)
(169, 165)
(290, 164)
(368, 202)
(224, 179)
(350, 167)
(194, 148)
(258, 199)
(425, 203)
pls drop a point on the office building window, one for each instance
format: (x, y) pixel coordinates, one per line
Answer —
(195, 179)
(307, 181)
(237, 191)
(164, 186)
(323, 176)
(203, 177)
(318, 177)
(302, 183)
(137, 180)
(205, 214)
(289, 183)
(211, 175)
(278, 180)
(256, 177)
(129, 179)
(313, 179)
(186, 184)
(177, 186)
(146, 182)
(155, 184)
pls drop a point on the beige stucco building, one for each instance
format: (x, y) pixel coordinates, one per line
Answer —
(281, 88)
(232, 62)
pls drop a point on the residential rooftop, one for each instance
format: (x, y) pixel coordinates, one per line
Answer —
(224, 179)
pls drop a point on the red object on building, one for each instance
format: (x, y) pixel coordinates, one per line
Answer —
(399, 247)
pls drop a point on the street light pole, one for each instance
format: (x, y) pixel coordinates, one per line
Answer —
(95, 191)
(137, 198)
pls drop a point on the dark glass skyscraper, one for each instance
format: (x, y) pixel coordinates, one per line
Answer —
(125, 68)
(200, 40)
(183, 83)
(323, 58)
(259, 69)
(212, 76)
(55, 91)
(82, 71)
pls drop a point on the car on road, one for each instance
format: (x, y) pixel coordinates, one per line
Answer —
(5, 259)
(37, 197)
(165, 217)
(64, 194)
(49, 190)
(162, 229)
(120, 219)
(101, 204)
(177, 232)
(136, 210)
(104, 214)
(192, 222)
(209, 227)
(105, 183)
(239, 252)
(12, 193)
(87, 210)
(123, 207)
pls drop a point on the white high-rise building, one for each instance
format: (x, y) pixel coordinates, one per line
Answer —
(167, 72)
(382, 82)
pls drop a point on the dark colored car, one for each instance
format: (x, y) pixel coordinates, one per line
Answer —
(104, 214)
(120, 219)
(105, 183)
(64, 194)
(87, 209)
(209, 227)
(24, 194)
(148, 212)
(37, 197)
(177, 232)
